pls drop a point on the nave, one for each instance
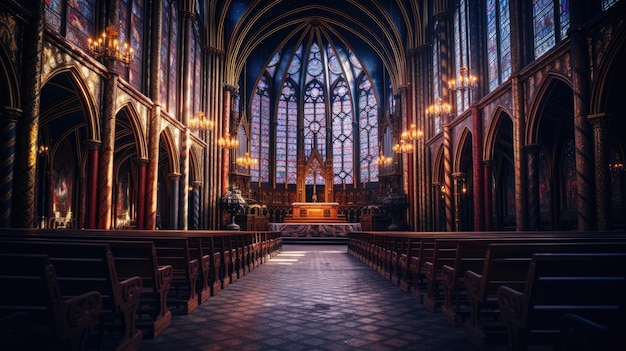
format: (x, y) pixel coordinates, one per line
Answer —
(311, 297)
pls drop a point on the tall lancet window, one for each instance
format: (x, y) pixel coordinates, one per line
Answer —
(461, 51)
(551, 22)
(498, 42)
(324, 112)
(260, 131)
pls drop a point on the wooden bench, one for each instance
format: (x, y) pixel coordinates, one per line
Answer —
(40, 317)
(507, 264)
(90, 266)
(583, 334)
(592, 285)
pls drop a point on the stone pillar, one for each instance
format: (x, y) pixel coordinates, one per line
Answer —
(109, 106)
(459, 191)
(532, 158)
(8, 123)
(194, 210)
(226, 132)
(519, 161)
(105, 175)
(579, 65)
(186, 111)
(478, 178)
(93, 149)
(25, 171)
(487, 195)
(602, 176)
(142, 170)
(154, 119)
(174, 179)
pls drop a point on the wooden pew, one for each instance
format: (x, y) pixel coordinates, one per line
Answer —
(583, 334)
(30, 289)
(592, 285)
(82, 266)
(444, 252)
(507, 264)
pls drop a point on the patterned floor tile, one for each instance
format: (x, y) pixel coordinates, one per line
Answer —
(310, 297)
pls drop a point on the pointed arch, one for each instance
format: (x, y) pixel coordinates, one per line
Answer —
(169, 142)
(137, 130)
(466, 135)
(546, 86)
(492, 132)
(8, 81)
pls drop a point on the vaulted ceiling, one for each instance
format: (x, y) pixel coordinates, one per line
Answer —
(379, 32)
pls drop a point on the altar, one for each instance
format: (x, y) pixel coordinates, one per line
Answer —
(313, 212)
(314, 230)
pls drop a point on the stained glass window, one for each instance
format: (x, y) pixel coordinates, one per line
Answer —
(316, 94)
(461, 51)
(368, 131)
(436, 84)
(131, 31)
(71, 19)
(551, 22)
(286, 135)
(498, 42)
(260, 131)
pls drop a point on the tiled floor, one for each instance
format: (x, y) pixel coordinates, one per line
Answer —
(311, 297)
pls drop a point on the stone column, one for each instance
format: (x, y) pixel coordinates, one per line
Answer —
(579, 65)
(487, 195)
(602, 176)
(477, 159)
(93, 149)
(459, 191)
(8, 124)
(154, 120)
(174, 179)
(25, 171)
(194, 209)
(109, 106)
(142, 170)
(186, 111)
(532, 158)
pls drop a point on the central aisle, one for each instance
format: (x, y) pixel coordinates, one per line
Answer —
(311, 297)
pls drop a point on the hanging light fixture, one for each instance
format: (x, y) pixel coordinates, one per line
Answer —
(412, 134)
(200, 122)
(439, 108)
(246, 161)
(228, 142)
(466, 81)
(403, 147)
(108, 46)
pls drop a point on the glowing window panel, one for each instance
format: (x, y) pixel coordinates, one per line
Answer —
(543, 18)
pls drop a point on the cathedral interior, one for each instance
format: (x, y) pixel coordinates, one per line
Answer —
(444, 115)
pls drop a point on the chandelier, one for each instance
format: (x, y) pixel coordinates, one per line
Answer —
(246, 161)
(466, 81)
(412, 134)
(384, 160)
(439, 108)
(403, 147)
(228, 142)
(107, 45)
(201, 122)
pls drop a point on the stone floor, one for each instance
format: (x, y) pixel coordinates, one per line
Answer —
(311, 297)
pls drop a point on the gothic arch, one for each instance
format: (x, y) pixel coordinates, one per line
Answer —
(492, 132)
(169, 143)
(8, 81)
(137, 130)
(466, 135)
(546, 87)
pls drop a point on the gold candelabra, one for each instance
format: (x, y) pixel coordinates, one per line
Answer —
(201, 122)
(228, 142)
(108, 46)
